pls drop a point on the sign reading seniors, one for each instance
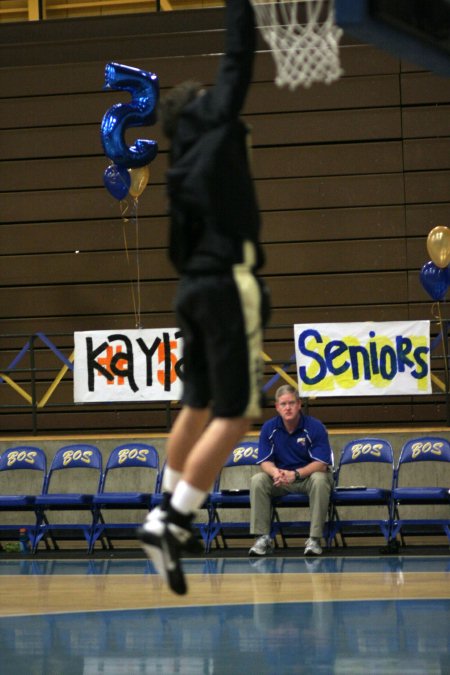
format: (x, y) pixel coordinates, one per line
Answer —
(363, 359)
(128, 365)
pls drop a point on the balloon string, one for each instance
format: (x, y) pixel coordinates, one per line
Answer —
(138, 265)
(124, 206)
(444, 341)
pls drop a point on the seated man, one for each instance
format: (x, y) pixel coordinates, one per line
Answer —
(296, 457)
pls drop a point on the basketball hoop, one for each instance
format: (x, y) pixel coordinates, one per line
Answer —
(304, 40)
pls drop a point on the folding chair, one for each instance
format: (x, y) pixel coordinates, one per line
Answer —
(359, 483)
(85, 465)
(417, 484)
(231, 491)
(129, 482)
(291, 526)
(29, 465)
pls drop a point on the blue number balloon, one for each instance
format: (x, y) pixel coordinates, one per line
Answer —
(140, 111)
(435, 280)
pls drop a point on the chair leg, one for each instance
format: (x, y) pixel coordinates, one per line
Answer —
(331, 534)
(335, 528)
(43, 531)
(277, 528)
(214, 531)
(447, 531)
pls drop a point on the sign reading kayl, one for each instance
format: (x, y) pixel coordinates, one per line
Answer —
(128, 365)
(363, 359)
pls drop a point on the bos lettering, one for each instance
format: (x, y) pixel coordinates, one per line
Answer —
(419, 448)
(77, 455)
(21, 456)
(132, 453)
(366, 449)
(244, 452)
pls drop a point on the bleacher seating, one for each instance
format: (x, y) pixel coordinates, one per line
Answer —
(22, 475)
(129, 481)
(58, 494)
(413, 487)
(231, 492)
(363, 479)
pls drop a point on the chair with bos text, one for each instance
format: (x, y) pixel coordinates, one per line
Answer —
(77, 465)
(230, 496)
(421, 488)
(289, 525)
(22, 474)
(129, 483)
(363, 481)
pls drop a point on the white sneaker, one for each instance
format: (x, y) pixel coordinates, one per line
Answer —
(312, 547)
(262, 546)
(157, 513)
(313, 564)
(163, 547)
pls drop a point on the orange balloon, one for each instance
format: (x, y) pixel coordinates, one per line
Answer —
(139, 179)
(438, 245)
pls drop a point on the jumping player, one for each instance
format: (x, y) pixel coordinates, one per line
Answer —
(221, 305)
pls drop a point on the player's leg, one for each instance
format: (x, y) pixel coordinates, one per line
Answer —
(164, 538)
(187, 429)
(233, 340)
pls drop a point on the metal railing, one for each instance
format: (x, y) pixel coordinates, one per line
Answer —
(32, 368)
(35, 365)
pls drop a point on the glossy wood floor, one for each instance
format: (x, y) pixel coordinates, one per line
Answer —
(275, 616)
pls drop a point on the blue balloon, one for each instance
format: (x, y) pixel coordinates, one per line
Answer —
(435, 280)
(140, 111)
(117, 181)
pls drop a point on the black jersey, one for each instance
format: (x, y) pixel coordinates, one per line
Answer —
(213, 206)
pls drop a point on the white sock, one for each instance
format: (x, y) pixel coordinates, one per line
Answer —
(170, 479)
(186, 498)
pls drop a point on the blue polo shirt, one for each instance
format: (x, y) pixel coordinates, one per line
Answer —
(307, 443)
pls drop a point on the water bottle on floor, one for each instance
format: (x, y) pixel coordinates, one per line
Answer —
(24, 541)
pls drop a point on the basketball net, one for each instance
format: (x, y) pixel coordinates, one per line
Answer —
(304, 40)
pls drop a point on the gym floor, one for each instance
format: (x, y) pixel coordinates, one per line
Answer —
(112, 614)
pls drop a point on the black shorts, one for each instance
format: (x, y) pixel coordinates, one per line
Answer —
(221, 317)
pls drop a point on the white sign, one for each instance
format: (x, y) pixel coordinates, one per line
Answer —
(363, 359)
(128, 365)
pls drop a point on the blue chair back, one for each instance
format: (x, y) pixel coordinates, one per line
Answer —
(75, 456)
(23, 457)
(367, 450)
(425, 449)
(133, 454)
(244, 454)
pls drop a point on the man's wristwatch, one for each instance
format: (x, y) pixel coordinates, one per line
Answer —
(297, 475)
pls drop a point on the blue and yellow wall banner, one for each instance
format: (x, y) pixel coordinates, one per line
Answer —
(363, 359)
